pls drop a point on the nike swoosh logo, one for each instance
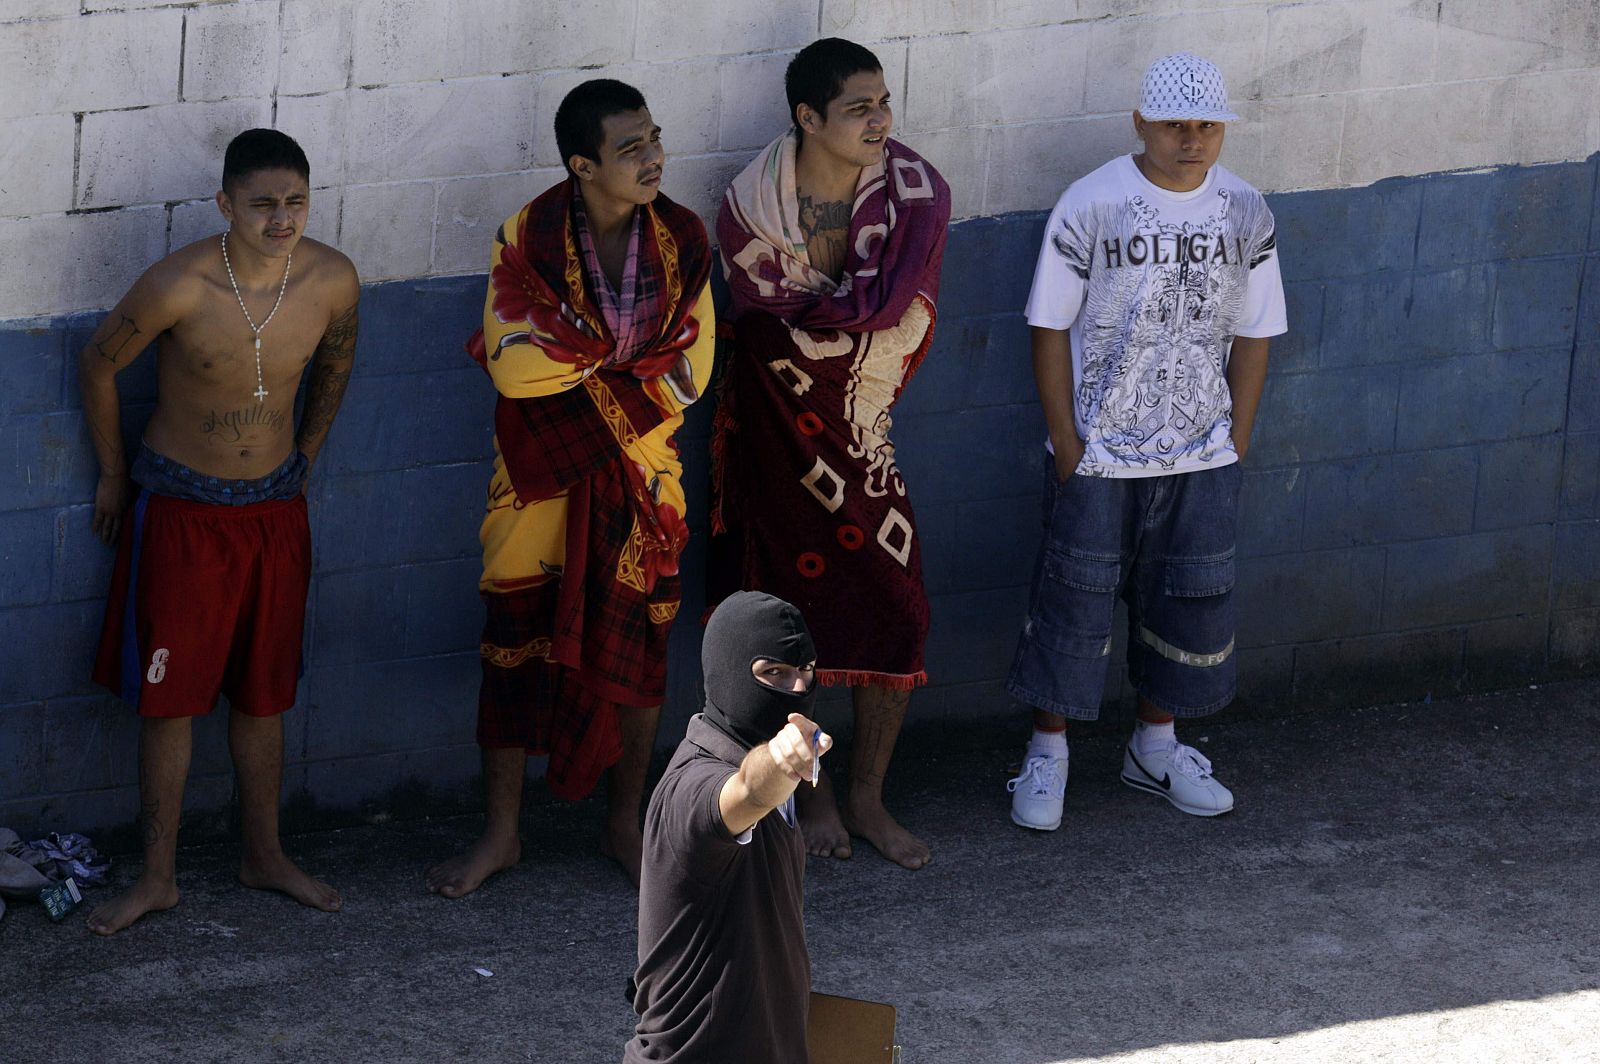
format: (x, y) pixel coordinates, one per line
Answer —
(1165, 782)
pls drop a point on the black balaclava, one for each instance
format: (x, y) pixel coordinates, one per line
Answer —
(750, 625)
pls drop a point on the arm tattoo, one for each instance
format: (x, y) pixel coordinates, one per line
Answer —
(330, 373)
(339, 342)
(324, 393)
(113, 337)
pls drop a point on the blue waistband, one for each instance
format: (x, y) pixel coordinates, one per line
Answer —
(160, 475)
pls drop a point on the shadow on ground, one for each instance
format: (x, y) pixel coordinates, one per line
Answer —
(1382, 864)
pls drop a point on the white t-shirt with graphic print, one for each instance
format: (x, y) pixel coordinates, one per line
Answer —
(1152, 287)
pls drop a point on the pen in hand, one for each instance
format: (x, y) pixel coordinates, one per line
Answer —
(816, 756)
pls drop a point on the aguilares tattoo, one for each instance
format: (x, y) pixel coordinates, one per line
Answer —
(229, 427)
(112, 338)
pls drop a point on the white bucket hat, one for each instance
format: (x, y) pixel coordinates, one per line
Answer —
(1184, 86)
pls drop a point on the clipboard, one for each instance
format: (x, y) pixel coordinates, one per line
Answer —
(843, 1030)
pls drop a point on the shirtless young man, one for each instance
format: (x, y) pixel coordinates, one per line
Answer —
(214, 554)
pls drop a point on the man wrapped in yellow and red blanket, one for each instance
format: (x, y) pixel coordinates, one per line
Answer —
(597, 332)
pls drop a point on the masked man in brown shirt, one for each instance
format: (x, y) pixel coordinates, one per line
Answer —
(723, 970)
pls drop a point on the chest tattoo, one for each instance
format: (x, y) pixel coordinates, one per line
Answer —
(826, 227)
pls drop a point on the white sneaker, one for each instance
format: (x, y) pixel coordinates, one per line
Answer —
(1037, 794)
(1180, 774)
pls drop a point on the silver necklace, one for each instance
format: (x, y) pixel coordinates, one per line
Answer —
(261, 392)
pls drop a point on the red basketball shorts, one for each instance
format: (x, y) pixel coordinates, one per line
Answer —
(207, 600)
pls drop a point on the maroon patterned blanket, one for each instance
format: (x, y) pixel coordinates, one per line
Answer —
(808, 503)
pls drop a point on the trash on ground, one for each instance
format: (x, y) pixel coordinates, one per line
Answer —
(62, 854)
(59, 899)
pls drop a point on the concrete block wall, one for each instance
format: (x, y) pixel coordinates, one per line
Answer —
(393, 618)
(427, 121)
(1445, 501)
(1422, 509)
(1421, 497)
(1421, 512)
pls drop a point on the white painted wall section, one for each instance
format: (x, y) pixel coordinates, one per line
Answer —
(428, 121)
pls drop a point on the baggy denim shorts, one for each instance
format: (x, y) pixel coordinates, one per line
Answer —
(1166, 545)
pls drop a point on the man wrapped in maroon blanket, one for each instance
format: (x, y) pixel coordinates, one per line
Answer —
(832, 240)
(597, 334)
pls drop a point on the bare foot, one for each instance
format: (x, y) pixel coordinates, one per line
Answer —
(465, 872)
(624, 843)
(145, 896)
(277, 872)
(820, 825)
(872, 821)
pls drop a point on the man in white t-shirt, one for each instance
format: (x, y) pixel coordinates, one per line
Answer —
(1156, 289)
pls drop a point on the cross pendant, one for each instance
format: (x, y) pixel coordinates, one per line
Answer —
(260, 393)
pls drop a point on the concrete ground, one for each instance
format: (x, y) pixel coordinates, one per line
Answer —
(1407, 883)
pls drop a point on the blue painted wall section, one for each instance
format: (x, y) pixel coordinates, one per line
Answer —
(1421, 511)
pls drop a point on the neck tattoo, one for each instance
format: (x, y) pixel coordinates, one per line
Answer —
(261, 392)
